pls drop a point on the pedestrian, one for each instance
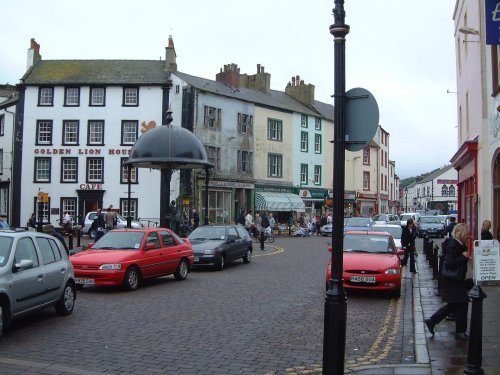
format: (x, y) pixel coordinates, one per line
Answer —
(249, 225)
(99, 225)
(3, 223)
(110, 219)
(49, 229)
(485, 230)
(195, 220)
(264, 223)
(258, 224)
(241, 217)
(408, 243)
(449, 228)
(67, 221)
(32, 223)
(318, 225)
(272, 222)
(455, 291)
(174, 224)
(290, 223)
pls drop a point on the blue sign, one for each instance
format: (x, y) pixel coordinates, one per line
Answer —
(492, 16)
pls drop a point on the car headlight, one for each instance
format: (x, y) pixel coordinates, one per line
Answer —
(392, 271)
(112, 266)
(209, 252)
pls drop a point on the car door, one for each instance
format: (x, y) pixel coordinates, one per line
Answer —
(234, 246)
(28, 285)
(152, 260)
(54, 266)
(172, 252)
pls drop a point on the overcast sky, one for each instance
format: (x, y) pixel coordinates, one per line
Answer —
(401, 51)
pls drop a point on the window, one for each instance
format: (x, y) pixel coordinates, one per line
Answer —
(274, 165)
(212, 117)
(44, 207)
(70, 132)
(69, 170)
(167, 239)
(2, 125)
(245, 124)
(245, 161)
(44, 132)
(451, 191)
(129, 132)
(72, 96)
(303, 174)
(97, 97)
(317, 175)
(1, 161)
(213, 156)
(68, 205)
(366, 180)
(95, 170)
(49, 250)
(444, 191)
(177, 89)
(25, 249)
(42, 169)
(46, 96)
(303, 121)
(131, 96)
(220, 206)
(304, 141)
(95, 135)
(4, 199)
(366, 156)
(274, 129)
(125, 210)
(317, 123)
(124, 174)
(317, 143)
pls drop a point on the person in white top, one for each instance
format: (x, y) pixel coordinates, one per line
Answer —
(249, 222)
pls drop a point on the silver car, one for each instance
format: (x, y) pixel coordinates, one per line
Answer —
(35, 273)
(121, 222)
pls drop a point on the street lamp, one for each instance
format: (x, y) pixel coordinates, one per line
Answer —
(406, 199)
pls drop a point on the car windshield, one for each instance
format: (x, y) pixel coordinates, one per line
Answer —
(358, 222)
(5, 245)
(429, 220)
(379, 218)
(365, 243)
(120, 241)
(208, 233)
(395, 231)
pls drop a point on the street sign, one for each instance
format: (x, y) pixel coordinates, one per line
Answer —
(361, 118)
(486, 260)
(43, 197)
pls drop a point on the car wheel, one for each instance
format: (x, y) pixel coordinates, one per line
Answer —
(182, 270)
(92, 233)
(221, 264)
(132, 278)
(66, 303)
(248, 256)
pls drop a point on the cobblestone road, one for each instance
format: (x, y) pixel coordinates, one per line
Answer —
(265, 318)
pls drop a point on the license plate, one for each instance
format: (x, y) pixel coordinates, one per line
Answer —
(196, 259)
(85, 281)
(363, 279)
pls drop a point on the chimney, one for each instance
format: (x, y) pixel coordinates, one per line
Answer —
(170, 56)
(299, 91)
(230, 76)
(33, 54)
(260, 81)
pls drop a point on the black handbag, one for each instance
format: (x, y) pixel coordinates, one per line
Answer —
(456, 274)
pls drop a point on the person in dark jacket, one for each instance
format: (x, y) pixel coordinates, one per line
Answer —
(49, 229)
(408, 243)
(485, 230)
(455, 292)
(195, 219)
(449, 228)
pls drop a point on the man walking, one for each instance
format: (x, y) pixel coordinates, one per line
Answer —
(110, 219)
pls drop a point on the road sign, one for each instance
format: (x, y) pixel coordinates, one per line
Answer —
(361, 118)
(43, 197)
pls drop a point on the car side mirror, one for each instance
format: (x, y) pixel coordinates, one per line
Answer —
(150, 246)
(24, 264)
(231, 240)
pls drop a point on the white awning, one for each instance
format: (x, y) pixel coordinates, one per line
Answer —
(271, 201)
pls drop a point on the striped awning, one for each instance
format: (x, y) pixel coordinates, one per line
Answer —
(271, 201)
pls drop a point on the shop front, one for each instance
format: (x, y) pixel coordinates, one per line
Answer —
(349, 202)
(282, 202)
(367, 204)
(314, 200)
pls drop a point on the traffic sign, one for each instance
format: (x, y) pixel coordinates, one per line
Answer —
(361, 118)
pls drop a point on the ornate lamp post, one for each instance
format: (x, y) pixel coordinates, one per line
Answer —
(336, 301)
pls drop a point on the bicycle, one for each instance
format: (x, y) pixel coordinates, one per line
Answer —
(268, 236)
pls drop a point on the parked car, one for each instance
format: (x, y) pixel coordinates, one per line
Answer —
(408, 215)
(326, 230)
(358, 223)
(121, 222)
(430, 225)
(216, 245)
(386, 219)
(370, 262)
(35, 273)
(394, 230)
(129, 256)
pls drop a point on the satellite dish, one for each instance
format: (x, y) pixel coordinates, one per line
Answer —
(361, 118)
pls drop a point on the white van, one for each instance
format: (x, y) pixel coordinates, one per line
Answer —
(408, 215)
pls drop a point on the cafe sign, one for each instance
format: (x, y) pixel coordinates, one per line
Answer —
(486, 260)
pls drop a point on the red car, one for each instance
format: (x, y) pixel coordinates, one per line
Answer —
(371, 262)
(128, 256)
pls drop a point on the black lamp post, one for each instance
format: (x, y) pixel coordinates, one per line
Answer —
(406, 199)
(336, 302)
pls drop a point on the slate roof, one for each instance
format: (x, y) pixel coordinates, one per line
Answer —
(436, 173)
(275, 99)
(9, 102)
(96, 72)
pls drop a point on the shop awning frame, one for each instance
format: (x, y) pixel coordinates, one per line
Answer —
(278, 202)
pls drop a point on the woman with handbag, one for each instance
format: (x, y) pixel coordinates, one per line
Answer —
(454, 289)
(408, 243)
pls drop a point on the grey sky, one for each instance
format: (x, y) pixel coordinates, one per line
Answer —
(402, 51)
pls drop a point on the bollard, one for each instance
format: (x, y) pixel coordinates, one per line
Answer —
(70, 240)
(440, 268)
(474, 354)
(429, 250)
(435, 266)
(426, 244)
(78, 237)
(261, 240)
